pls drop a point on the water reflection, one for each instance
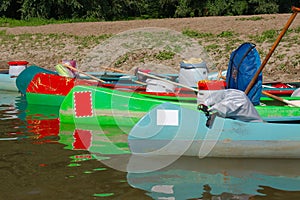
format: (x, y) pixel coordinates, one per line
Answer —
(12, 106)
(38, 122)
(35, 165)
(195, 178)
(80, 162)
(188, 177)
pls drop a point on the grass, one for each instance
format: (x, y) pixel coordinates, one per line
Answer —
(165, 55)
(218, 46)
(195, 34)
(122, 60)
(226, 34)
(254, 18)
(83, 41)
(38, 45)
(266, 36)
(8, 22)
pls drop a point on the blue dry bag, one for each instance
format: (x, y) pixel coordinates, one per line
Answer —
(243, 64)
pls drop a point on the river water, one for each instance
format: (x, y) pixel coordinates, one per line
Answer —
(43, 159)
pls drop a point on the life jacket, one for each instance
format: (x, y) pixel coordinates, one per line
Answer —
(243, 64)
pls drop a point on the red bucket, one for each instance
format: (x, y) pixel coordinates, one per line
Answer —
(211, 85)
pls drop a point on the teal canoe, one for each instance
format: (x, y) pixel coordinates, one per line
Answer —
(104, 106)
(171, 129)
(8, 83)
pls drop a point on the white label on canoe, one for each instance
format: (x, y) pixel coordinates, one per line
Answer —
(166, 189)
(167, 117)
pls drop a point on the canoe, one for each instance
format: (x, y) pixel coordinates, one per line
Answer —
(105, 106)
(24, 78)
(50, 89)
(51, 77)
(171, 129)
(8, 76)
(47, 88)
(281, 89)
(7, 83)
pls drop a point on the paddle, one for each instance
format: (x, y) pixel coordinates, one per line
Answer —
(113, 69)
(291, 103)
(294, 103)
(81, 72)
(166, 80)
(120, 71)
(289, 22)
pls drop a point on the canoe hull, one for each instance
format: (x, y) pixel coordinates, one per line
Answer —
(221, 149)
(7, 83)
(184, 132)
(104, 106)
(50, 89)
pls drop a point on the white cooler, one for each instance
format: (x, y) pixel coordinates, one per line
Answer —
(190, 74)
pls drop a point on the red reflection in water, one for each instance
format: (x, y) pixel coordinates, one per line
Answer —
(82, 139)
(43, 128)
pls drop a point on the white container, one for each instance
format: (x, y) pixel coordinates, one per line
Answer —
(190, 74)
(16, 67)
(296, 93)
(154, 85)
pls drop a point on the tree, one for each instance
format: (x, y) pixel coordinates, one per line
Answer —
(263, 6)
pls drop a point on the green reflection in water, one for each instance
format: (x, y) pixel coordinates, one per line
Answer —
(100, 169)
(104, 195)
(74, 165)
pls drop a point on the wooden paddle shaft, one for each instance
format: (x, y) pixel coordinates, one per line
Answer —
(113, 69)
(166, 80)
(295, 9)
(81, 72)
(289, 22)
(279, 99)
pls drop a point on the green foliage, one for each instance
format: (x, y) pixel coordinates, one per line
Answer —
(130, 9)
(255, 18)
(165, 55)
(8, 22)
(229, 7)
(195, 34)
(297, 30)
(226, 34)
(212, 47)
(263, 7)
(266, 36)
(121, 60)
(183, 9)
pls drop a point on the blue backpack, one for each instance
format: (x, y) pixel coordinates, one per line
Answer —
(243, 64)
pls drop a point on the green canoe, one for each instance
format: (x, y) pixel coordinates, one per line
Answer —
(104, 106)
